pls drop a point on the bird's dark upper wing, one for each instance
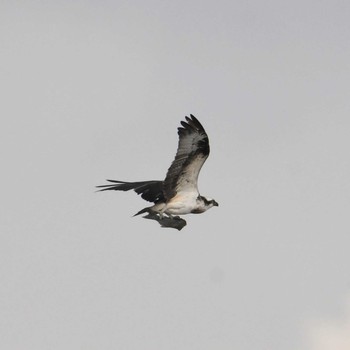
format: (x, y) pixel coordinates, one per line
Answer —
(151, 191)
(192, 152)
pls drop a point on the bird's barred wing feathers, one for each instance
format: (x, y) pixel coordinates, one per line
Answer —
(193, 150)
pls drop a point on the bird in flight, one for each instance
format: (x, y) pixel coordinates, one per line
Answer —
(178, 194)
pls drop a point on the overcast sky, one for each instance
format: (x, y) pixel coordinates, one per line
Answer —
(96, 89)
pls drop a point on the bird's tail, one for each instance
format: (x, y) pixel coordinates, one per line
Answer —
(144, 210)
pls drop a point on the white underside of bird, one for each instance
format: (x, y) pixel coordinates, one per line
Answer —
(181, 204)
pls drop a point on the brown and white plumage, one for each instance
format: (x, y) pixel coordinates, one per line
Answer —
(192, 152)
(178, 194)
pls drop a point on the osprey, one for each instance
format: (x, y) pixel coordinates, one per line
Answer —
(178, 194)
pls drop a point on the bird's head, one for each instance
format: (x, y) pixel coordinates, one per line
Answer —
(215, 203)
(209, 202)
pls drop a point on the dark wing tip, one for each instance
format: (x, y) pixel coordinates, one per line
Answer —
(191, 124)
(196, 121)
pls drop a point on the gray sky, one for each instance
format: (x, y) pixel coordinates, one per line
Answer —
(96, 89)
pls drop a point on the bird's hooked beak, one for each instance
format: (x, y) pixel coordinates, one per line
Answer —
(215, 204)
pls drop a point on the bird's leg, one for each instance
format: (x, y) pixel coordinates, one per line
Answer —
(161, 215)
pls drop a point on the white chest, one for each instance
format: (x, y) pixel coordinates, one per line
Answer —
(182, 204)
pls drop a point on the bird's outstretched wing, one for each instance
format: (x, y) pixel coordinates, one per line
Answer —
(193, 150)
(151, 191)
